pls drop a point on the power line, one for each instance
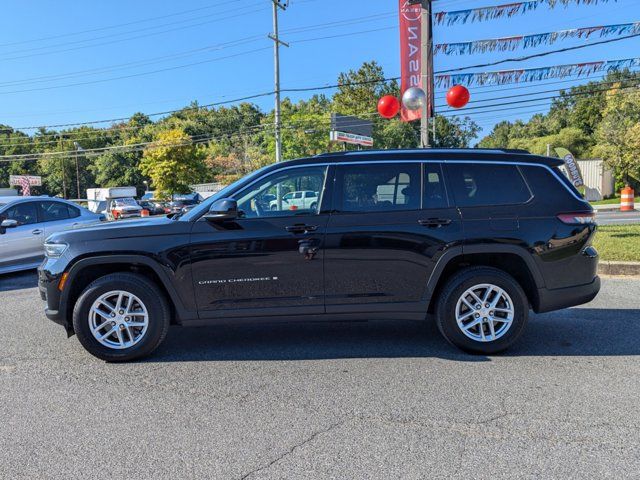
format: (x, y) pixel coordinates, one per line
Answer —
(160, 59)
(134, 37)
(109, 27)
(263, 126)
(213, 47)
(234, 100)
(613, 82)
(517, 102)
(133, 75)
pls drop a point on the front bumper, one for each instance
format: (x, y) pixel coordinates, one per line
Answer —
(48, 288)
(559, 298)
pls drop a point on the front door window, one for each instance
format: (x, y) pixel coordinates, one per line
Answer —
(281, 194)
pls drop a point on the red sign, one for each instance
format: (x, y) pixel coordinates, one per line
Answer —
(410, 42)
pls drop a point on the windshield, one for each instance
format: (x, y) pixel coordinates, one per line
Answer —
(126, 202)
(204, 206)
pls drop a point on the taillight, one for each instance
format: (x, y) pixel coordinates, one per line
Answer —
(578, 218)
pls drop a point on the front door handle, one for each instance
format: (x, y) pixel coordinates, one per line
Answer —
(435, 222)
(300, 228)
(37, 231)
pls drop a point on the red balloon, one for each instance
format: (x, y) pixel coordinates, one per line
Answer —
(388, 106)
(458, 96)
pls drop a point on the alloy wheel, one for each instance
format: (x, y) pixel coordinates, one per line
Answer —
(484, 312)
(118, 319)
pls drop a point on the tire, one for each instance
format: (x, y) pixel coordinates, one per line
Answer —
(313, 206)
(147, 299)
(505, 333)
(274, 208)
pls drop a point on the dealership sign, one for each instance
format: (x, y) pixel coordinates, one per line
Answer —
(26, 182)
(19, 180)
(572, 167)
(346, 137)
(410, 52)
(349, 129)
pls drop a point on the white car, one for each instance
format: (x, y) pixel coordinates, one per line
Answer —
(25, 222)
(124, 208)
(302, 200)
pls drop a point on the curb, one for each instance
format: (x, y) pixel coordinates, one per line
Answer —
(615, 207)
(619, 268)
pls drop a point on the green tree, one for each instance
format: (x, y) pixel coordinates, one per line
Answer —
(573, 139)
(173, 163)
(117, 168)
(616, 135)
(455, 132)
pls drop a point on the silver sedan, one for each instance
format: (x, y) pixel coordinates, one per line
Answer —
(25, 222)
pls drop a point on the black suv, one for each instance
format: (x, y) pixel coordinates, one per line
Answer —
(477, 237)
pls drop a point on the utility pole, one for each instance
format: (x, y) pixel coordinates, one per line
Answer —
(64, 176)
(426, 66)
(78, 148)
(276, 59)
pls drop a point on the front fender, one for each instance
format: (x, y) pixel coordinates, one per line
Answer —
(164, 277)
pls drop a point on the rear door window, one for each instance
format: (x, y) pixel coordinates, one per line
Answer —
(435, 193)
(54, 211)
(375, 188)
(484, 184)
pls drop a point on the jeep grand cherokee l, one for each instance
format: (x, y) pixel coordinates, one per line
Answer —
(477, 237)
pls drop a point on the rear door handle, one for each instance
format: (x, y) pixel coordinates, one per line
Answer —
(301, 228)
(435, 222)
(37, 231)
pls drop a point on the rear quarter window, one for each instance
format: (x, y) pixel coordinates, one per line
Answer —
(477, 184)
(564, 179)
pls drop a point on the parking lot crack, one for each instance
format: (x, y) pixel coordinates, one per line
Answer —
(295, 447)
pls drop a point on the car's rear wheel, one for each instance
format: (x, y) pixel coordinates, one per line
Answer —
(121, 317)
(482, 310)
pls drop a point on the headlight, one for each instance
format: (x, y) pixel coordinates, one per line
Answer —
(54, 250)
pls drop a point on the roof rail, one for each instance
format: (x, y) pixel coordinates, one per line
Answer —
(514, 150)
(419, 150)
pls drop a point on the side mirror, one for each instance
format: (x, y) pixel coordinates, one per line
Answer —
(9, 224)
(222, 210)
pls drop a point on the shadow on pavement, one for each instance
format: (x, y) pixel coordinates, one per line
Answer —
(18, 281)
(572, 332)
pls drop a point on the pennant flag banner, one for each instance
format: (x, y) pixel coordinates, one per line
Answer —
(503, 11)
(534, 74)
(530, 41)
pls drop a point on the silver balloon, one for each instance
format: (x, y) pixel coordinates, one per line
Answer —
(414, 98)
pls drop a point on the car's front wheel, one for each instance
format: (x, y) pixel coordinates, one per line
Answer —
(482, 310)
(121, 317)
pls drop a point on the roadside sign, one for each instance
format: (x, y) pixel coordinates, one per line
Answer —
(346, 137)
(349, 129)
(26, 182)
(34, 180)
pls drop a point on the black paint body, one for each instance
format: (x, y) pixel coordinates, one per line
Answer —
(335, 264)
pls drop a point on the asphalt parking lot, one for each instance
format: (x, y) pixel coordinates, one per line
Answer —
(360, 400)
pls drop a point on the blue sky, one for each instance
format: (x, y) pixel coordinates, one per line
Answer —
(41, 38)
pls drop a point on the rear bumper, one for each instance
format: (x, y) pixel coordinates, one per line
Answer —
(559, 298)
